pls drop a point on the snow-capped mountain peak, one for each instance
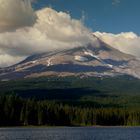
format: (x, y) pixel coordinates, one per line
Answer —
(83, 60)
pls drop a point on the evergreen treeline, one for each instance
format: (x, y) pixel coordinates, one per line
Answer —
(15, 111)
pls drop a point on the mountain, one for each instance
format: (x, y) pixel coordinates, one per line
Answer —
(91, 60)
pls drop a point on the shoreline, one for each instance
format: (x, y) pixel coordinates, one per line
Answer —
(97, 126)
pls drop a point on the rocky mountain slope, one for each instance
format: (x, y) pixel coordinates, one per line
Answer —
(91, 60)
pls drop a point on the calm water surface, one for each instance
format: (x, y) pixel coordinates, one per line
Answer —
(71, 133)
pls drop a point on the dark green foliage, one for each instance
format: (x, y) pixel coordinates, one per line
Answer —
(122, 91)
(71, 101)
(16, 111)
(10, 107)
(51, 87)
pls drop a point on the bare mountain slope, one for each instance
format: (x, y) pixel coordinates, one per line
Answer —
(92, 60)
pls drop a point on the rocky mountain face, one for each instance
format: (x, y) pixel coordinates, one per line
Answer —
(93, 60)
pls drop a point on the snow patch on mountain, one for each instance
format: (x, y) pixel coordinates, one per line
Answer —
(49, 62)
(80, 58)
(98, 58)
(91, 54)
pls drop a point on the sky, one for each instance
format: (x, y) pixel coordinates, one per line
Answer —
(29, 27)
(113, 16)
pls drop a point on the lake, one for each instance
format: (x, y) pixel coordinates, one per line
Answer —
(71, 133)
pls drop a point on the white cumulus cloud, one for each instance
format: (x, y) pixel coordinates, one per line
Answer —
(15, 13)
(24, 32)
(127, 42)
(6, 59)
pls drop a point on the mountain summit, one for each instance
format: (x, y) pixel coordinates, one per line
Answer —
(91, 60)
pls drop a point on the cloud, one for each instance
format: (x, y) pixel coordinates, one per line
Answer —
(116, 2)
(15, 14)
(24, 32)
(127, 42)
(6, 59)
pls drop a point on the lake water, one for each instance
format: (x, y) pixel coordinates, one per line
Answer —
(71, 133)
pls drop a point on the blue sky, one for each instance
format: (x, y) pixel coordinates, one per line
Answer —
(113, 16)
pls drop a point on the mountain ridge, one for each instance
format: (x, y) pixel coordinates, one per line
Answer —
(92, 60)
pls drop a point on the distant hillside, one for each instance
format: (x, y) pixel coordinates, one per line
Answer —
(109, 91)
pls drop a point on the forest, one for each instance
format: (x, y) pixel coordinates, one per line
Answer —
(16, 111)
(70, 101)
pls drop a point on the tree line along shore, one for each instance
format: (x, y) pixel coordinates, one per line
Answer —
(17, 111)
